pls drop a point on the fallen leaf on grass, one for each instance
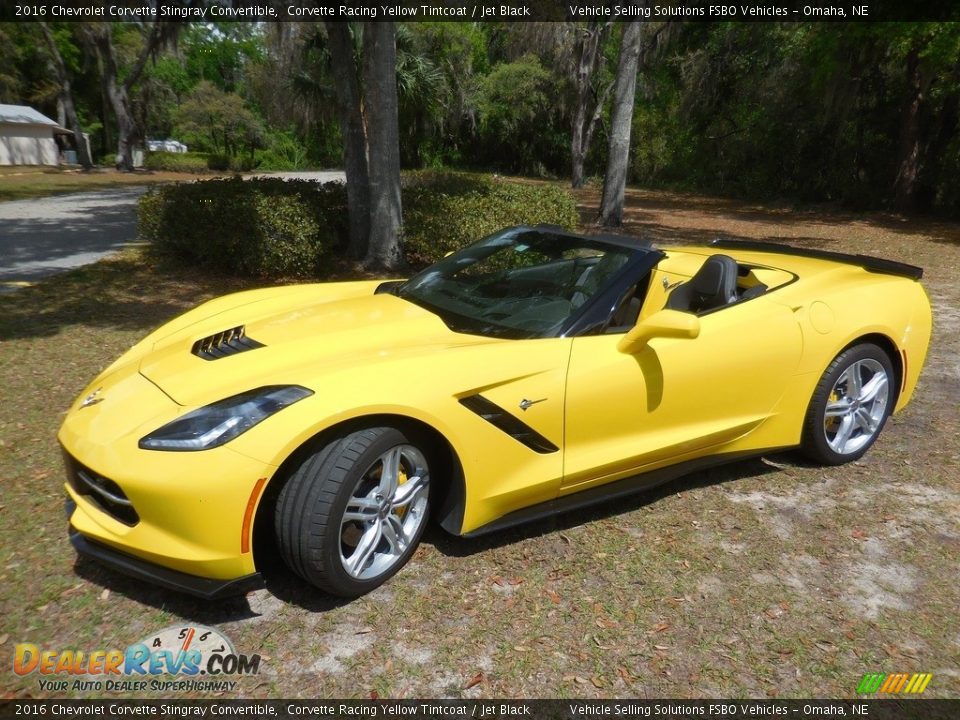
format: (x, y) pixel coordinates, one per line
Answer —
(71, 590)
(105, 594)
(660, 627)
(364, 631)
(662, 647)
(858, 534)
(4, 638)
(553, 596)
(599, 643)
(624, 673)
(373, 695)
(597, 682)
(474, 681)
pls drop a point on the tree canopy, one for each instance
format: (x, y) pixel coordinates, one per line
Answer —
(863, 114)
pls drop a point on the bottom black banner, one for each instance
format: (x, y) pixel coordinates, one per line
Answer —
(484, 709)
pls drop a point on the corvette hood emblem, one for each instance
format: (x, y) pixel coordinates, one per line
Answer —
(92, 399)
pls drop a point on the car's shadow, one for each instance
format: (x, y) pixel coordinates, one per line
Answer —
(280, 582)
(456, 546)
(286, 587)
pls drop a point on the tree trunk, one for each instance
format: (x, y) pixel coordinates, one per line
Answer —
(349, 108)
(383, 136)
(119, 93)
(584, 121)
(66, 98)
(905, 184)
(618, 156)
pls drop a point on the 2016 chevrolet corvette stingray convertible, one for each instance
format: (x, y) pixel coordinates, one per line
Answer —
(532, 372)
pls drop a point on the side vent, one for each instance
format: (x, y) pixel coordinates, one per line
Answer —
(510, 424)
(223, 344)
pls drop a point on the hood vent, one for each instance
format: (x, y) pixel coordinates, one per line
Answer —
(223, 344)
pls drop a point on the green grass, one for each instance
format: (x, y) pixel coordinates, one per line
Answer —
(23, 184)
(740, 581)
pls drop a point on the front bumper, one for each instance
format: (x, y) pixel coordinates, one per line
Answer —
(206, 588)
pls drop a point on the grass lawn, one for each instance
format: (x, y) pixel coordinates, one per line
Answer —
(764, 578)
(21, 183)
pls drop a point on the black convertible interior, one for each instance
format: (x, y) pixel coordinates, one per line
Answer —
(713, 286)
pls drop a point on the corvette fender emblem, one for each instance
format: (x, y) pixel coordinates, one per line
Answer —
(524, 404)
(92, 399)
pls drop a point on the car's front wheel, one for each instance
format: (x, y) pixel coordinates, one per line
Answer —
(850, 405)
(353, 513)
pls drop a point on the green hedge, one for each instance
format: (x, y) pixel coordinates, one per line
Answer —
(189, 162)
(269, 227)
(444, 211)
(265, 227)
(198, 163)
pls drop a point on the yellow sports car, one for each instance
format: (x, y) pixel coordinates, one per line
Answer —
(532, 372)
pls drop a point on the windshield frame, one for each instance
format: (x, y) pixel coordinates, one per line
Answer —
(594, 313)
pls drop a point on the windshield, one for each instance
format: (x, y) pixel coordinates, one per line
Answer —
(519, 283)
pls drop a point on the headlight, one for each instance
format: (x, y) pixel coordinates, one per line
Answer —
(222, 421)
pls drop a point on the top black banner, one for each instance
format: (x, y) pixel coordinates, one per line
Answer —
(475, 11)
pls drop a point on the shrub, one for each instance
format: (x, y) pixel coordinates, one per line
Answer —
(264, 227)
(218, 162)
(189, 162)
(270, 227)
(444, 211)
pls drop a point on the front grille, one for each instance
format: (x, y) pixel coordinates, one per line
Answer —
(225, 343)
(101, 491)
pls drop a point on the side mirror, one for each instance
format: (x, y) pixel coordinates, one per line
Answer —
(666, 323)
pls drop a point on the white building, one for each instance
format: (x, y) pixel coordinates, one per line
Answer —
(27, 137)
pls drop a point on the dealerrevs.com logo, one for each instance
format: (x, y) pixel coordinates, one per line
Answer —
(187, 651)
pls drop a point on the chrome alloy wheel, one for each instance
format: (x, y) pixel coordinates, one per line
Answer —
(856, 407)
(385, 513)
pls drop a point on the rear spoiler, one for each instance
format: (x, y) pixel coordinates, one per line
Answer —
(867, 262)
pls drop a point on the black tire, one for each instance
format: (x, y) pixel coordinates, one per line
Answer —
(823, 440)
(314, 537)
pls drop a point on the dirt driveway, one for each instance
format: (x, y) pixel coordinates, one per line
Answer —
(764, 578)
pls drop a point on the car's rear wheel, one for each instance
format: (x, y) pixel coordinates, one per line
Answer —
(353, 513)
(850, 405)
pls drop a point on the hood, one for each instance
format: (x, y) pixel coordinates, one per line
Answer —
(290, 338)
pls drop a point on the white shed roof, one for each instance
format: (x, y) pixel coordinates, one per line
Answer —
(23, 115)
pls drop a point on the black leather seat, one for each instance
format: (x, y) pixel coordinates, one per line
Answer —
(714, 285)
